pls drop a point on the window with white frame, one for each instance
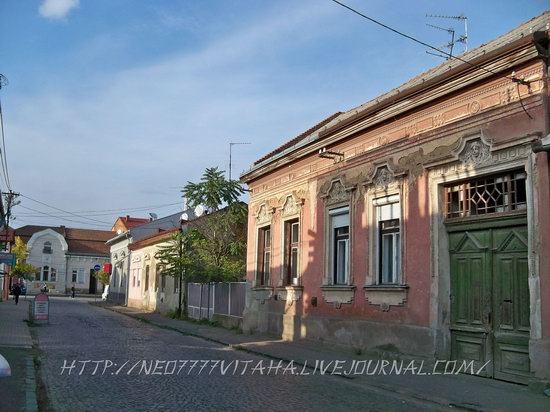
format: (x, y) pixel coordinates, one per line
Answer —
(53, 275)
(146, 278)
(47, 248)
(388, 218)
(74, 275)
(339, 247)
(45, 273)
(291, 251)
(264, 256)
(80, 275)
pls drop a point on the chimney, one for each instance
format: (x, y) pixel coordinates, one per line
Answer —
(63, 231)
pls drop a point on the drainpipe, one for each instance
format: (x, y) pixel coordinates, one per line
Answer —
(127, 286)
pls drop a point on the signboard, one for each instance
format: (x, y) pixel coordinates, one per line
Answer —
(41, 307)
(97, 268)
(7, 258)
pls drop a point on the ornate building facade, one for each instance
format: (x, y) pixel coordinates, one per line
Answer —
(417, 222)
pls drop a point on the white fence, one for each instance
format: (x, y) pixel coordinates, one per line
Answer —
(206, 299)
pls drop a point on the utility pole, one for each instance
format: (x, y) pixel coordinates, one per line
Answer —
(231, 144)
(11, 201)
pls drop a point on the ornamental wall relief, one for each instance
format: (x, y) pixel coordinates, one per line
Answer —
(264, 215)
(337, 191)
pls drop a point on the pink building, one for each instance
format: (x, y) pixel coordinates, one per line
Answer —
(417, 222)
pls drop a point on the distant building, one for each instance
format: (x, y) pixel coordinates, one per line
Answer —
(418, 222)
(125, 223)
(64, 257)
(120, 250)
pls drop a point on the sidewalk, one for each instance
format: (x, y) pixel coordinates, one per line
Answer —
(459, 391)
(19, 390)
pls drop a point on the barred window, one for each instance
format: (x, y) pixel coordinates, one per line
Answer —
(487, 195)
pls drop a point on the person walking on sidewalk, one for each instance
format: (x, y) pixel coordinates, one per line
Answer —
(16, 292)
(72, 292)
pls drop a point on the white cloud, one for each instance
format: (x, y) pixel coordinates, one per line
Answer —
(57, 9)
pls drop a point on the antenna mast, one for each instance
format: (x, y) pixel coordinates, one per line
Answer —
(231, 144)
(461, 39)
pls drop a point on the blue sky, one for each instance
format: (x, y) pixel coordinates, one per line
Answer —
(116, 104)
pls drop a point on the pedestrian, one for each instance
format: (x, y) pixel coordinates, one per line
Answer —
(72, 291)
(16, 292)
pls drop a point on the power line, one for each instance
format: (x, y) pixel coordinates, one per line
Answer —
(426, 44)
(64, 211)
(107, 213)
(3, 157)
(70, 220)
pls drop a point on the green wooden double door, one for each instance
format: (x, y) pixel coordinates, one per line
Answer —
(490, 300)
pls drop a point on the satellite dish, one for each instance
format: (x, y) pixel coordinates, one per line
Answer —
(199, 210)
(184, 216)
(153, 216)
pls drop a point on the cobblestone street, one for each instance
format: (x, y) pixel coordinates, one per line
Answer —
(79, 331)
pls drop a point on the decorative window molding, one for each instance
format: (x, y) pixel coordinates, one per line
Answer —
(383, 176)
(262, 293)
(338, 192)
(264, 214)
(292, 206)
(386, 296)
(291, 293)
(338, 294)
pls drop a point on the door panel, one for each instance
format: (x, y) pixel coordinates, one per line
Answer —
(490, 300)
(470, 287)
(511, 305)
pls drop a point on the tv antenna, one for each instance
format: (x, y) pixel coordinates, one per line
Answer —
(3, 80)
(463, 38)
(231, 144)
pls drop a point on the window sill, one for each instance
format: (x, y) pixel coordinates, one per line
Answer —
(386, 296)
(290, 292)
(338, 294)
(262, 293)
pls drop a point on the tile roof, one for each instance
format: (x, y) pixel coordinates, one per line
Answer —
(298, 138)
(130, 222)
(80, 241)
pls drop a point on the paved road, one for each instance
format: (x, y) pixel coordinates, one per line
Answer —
(80, 332)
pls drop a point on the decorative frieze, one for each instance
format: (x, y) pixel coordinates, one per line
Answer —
(492, 96)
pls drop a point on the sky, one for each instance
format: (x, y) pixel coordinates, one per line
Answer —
(112, 106)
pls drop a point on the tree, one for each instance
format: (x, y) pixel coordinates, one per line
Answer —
(102, 277)
(219, 237)
(22, 269)
(213, 191)
(180, 262)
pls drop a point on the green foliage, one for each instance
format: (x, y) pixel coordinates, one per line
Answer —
(102, 277)
(218, 238)
(213, 190)
(177, 257)
(22, 269)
